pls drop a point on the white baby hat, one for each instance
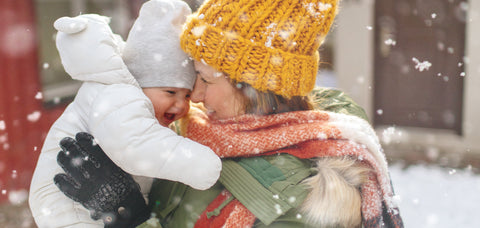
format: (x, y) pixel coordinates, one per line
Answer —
(152, 51)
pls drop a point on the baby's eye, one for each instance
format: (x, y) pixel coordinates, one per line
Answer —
(171, 92)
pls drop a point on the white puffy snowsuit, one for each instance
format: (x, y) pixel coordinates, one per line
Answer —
(111, 106)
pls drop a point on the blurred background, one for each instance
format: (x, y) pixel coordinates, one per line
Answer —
(413, 65)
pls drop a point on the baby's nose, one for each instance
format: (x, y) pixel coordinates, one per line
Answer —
(181, 105)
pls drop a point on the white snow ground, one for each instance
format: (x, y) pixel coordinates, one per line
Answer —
(437, 197)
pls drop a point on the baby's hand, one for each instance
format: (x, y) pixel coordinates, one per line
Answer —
(87, 45)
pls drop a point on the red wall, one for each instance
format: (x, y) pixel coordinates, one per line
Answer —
(23, 119)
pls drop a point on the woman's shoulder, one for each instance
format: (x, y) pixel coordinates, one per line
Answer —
(335, 100)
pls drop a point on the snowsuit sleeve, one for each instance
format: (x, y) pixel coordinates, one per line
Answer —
(123, 122)
(49, 206)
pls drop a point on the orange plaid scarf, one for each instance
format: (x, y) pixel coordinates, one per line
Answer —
(304, 134)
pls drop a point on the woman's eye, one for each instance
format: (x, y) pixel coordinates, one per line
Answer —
(204, 81)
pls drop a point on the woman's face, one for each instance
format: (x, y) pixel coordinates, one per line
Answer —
(220, 98)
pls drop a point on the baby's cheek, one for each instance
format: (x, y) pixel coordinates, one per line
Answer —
(182, 113)
(187, 108)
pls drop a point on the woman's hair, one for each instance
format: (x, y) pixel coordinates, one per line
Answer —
(267, 103)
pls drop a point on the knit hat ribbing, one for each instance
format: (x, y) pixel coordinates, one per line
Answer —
(269, 44)
(152, 51)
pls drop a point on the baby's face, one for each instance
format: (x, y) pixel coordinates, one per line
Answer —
(170, 103)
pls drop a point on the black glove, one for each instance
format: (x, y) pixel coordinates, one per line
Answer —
(93, 180)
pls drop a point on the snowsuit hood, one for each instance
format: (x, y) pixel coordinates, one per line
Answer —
(104, 50)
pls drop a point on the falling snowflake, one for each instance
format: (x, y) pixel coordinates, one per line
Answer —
(388, 135)
(217, 74)
(3, 138)
(278, 209)
(17, 40)
(390, 42)
(421, 66)
(39, 95)
(18, 197)
(452, 171)
(292, 199)
(2, 125)
(198, 30)
(185, 62)
(441, 46)
(56, 100)
(34, 116)
(450, 50)
(380, 111)
(396, 200)
(322, 6)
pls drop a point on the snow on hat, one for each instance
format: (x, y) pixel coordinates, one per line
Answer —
(152, 51)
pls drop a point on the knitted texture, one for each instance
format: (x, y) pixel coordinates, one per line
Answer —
(307, 134)
(232, 215)
(269, 44)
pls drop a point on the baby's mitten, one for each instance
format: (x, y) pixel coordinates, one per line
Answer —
(93, 180)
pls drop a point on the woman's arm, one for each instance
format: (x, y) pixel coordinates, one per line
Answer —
(333, 100)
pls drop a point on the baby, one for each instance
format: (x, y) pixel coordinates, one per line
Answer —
(127, 101)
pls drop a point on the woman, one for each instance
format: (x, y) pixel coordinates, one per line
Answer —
(284, 163)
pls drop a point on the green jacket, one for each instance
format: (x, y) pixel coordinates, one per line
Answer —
(269, 186)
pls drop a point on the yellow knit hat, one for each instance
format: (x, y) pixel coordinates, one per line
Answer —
(269, 44)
